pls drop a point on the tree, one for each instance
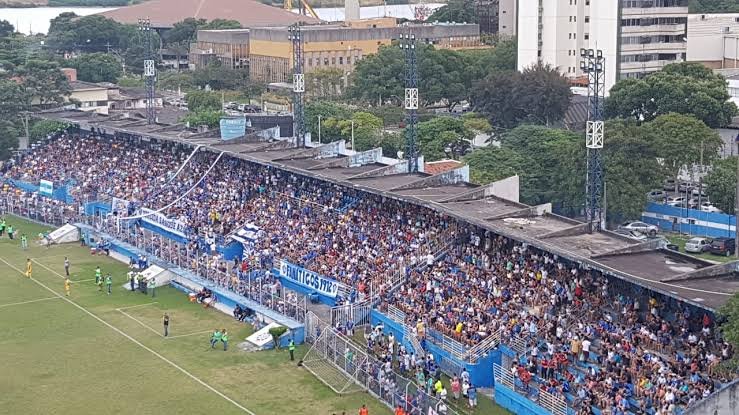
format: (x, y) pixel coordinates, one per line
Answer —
(324, 83)
(721, 184)
(93, 33)
(97, 67)
(539, 94)
(8, 139)
(328, 111)
(198, 101)
(211, 118)
(680, 140)
(443, 137)
(367, 130)
(459, 11)
(276, 333)
(684, 88)
(631, 170)
(44, 82)
(379, 77)
(494, 163)
(220, 24)
(502, 57)
(42, 128)
(6, 29)
(13, 99)
(714, 6)
(184, 31)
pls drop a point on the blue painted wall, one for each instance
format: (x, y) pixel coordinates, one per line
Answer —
(481, 373)
(97, 208)
(59, 193)
(689, 221)
(516, 403)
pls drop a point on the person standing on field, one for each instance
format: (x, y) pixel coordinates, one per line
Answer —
(166, 324)
(291, 349)
(66, 266)
(108, 283)
(10, 231)
(24, 241)
(215, 338)
(224, 339)
(29, 268)
(67, 286)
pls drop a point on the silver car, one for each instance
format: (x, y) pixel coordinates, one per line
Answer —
(697, 245)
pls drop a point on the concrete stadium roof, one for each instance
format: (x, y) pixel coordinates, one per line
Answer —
(165, 13)
(701, 283)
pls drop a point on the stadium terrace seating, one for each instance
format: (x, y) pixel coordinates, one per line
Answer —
(642, 357)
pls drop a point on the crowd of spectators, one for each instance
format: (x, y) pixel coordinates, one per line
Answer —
(92, 165)
(583, 340)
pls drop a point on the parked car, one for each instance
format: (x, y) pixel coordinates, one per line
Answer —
(675, 201)
(684, 186)
(642, 227)
(722, 246)
(673, 247)
(669, 184)
(697, 245)
(699, 191)
(658, 195)
(708, 207)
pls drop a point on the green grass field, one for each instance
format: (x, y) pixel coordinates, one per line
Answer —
(93, 353)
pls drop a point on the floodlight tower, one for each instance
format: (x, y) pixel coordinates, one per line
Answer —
(150, 71)
(593, 64)
(408, 44)
(296, 37)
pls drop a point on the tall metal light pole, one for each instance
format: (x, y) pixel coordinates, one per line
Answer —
(319, 128)
(150, 70)
(296, 37)
(592, 64)
(408, 44)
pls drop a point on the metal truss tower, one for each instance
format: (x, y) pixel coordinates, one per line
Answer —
(296, 37)
(150, 70)
(593, 64)
(408, 44)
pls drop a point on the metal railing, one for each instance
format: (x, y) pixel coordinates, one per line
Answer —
(357, 313)
(554, 404)
(395, 314)
(366, 371)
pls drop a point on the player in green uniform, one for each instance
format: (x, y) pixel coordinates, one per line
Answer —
(224, 339)
(215, 338)
(24, 241)
(98, 275)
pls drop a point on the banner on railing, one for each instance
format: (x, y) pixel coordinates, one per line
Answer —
(309, 279)
(121, 206)
(46, 188)
(160, 220)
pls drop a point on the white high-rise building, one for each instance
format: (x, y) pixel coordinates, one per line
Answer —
(637, 37)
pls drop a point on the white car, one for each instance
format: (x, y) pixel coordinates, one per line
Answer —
(642, 227)
(708, 207)
(657, 195)
(675, 201)
(697, 245)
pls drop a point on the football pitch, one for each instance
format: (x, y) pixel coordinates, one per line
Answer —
(94, 353)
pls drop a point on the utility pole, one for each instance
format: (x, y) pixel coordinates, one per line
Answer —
(408, 44)
(592, 64)
(296, 37)
(319, 128)
(353, 149)
(150, 71)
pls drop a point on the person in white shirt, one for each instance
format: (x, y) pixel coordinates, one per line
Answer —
(586, 349)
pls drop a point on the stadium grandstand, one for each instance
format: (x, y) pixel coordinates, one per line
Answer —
(511, 297)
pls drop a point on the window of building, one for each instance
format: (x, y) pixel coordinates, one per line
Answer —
(586, 36)
(325, 61)
(341, 60)
(734, 92)
(587, 19)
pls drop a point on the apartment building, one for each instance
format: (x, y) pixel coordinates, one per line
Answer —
(637, 37)
(497, 17)
(713, 40)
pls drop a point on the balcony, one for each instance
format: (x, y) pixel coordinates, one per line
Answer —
(658, 29)
(649, 66)
(654, 47)
(627, 12)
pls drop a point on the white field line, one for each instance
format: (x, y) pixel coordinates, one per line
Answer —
(134, 341)
(135, 306)
(140, 322)
(29, 302)
(188, 335)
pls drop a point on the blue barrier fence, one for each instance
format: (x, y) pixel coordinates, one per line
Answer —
(60, 193)
(689, 221)
(481, 372)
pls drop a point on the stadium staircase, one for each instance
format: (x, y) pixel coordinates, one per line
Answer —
(413, 339)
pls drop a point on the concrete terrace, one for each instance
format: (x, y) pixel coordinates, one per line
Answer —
(491, 207)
